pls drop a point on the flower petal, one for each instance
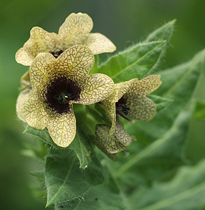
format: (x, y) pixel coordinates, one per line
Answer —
(108, 144)
(145, 86)
(99, 43)
(62, 129)
(41, 69)
(123, 87)
(31, 109)
(75, 63)
(23, 57)
(110, 109)
(39, 41)
(25, 81)
(20, 99)
(121, 134)
(109, 104)
(141, 108)
(75, 30)
(96, 88)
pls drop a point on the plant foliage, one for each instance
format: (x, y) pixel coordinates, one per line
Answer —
(153, 176)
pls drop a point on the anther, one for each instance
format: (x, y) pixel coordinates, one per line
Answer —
(68, 96)
(70, 102)
(63, 99)
(126, 153)
(125, 109)
(59, 98)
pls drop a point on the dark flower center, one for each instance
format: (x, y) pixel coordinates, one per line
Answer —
(122, 108)
(56, 54)
(60, 92)
(62, 98)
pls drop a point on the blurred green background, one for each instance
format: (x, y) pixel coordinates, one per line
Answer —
(125, 23)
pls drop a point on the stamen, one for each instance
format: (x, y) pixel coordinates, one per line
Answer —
(59, 98)
(63, 99)
(126, 153)
(131, 121)
(68, 96)
(117, 104)
(125, 109)
(61, 93)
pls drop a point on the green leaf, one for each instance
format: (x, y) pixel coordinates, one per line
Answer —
(160, 102)
(159, 156)
(97, 114)
(101, 197)
(43, 135)
(163, 33)
(139, 60)
(178, 84)
(160, 142)
(81, 144)
(199, 111)
(95, 67)
(82, 148)
(135, 62)
(185, 191)
(38, 184)
(64, 179)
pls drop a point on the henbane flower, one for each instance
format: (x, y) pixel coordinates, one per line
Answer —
(112, 144)
(74, 31)
(56, 85)
(129, 100)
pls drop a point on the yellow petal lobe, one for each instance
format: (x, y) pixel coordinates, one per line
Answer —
(41, 69)
(23, 57)
(39, 41)
(75, 30)
(145, 86)
(98, 43)
(141, 108)
(62, 128)
(75, 63)
(96, 88)
(31, 109)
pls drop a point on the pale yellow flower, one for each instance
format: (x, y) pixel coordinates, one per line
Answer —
(56, 84)
(129, 100)
(74, 31)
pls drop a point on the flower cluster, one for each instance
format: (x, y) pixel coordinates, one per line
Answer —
(127, 100)
(74, 31)
(58, 77)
